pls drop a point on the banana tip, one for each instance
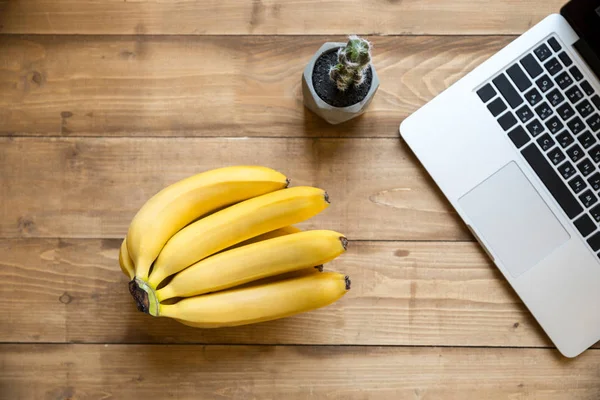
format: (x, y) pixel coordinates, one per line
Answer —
(344, 242)
(326, 196)
(348, 282)
(319, 268)
(287, 182)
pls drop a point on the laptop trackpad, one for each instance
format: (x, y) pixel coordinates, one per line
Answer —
(508, 213)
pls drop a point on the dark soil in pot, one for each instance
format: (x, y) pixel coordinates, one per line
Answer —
(326, 88)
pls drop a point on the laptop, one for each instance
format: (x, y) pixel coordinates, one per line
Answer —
(515, 147)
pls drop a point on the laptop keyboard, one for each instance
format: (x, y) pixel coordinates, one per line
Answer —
(552, 115)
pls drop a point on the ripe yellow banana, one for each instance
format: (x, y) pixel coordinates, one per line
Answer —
(182, 202)
(125, 261)
(258, 303)
(286, 230)
(255, 261)
(271, 279)
(235, 224)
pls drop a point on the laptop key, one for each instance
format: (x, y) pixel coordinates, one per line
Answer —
(577, 184)
(546, 142)
(575, 153)
(565, 111)
(507, 121)
(596, 100)
(564, 80)
(532, 67)
(594, 181)
(594, 122)
(588, 198)
(585, 108)
(565, 139)
(497, 107)
(512, 97)
(596, 213)
(576, 125)
(524, 113)
(565, 59)
(587, 88)
(574, 94)
(555, 97)
(519, 78)
(586, 167)
(586, 139)
(544, 111)
(595, 154)
(585, 225)
(553, 66)
(567, 170)
(556, 156)
(577, 75)
(594, 241)
(535, 127)
(543, 52)
(544, 83)
(554, 125)
(519, 137)
(533, 97)
(554, 44)
(552, 180)
(486, 93)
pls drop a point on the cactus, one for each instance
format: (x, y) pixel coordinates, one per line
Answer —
(353, 61)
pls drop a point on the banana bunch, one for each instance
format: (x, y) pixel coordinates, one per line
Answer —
(219, 249)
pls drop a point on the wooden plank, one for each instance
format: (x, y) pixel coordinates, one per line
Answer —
(403, 293)
(224, 17)
(218, 86)
(92, 187)
(258, 372)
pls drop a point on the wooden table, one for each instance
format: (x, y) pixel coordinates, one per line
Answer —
(102, 103)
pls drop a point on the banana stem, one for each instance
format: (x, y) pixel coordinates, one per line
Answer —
(145, 297)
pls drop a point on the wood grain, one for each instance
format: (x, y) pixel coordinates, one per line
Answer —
(210, 86)
(225, 17)
(103, 103)
(257, 372)
(92, 187)
(403, 293)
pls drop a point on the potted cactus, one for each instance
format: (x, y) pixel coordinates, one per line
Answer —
(339, 82)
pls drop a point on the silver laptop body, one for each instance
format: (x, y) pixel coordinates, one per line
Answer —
(501, 181)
